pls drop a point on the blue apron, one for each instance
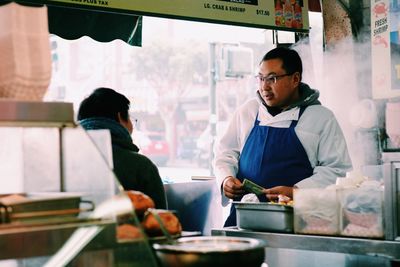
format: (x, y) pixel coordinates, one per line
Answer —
(272, 157)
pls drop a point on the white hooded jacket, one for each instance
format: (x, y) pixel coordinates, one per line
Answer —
(317, 130)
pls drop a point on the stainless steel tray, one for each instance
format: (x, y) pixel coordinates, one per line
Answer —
(38, 206)
(264, 217)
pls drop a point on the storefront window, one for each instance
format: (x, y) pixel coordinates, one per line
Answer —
(168, 83)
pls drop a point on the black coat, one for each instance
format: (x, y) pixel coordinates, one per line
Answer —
(133, 170)
(137, 172)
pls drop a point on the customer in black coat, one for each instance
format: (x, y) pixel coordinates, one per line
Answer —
(107, 109)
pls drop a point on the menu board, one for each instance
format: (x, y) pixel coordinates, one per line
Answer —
(290, 15)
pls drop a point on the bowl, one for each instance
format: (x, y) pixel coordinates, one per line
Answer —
(210, 251)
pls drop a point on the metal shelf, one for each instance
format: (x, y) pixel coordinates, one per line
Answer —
(358, 246)
(36, 114)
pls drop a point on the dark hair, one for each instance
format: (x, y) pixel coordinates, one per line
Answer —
(291, 61)
(104, 102)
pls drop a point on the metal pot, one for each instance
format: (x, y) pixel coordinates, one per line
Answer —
(211, 251)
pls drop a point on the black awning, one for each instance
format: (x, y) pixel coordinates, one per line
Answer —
(73, 23)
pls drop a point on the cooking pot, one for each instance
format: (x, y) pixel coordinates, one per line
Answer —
(210, 251)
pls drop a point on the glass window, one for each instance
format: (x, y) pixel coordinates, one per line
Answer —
(173, 98)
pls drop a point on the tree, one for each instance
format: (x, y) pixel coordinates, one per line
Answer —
(172, 70)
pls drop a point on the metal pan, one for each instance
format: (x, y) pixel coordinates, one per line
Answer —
(264, 217)
(34, 206)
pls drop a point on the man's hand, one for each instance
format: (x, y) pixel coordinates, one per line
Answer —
(273, 193)
(233, 188)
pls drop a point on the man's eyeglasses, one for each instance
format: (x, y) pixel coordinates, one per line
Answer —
(271, 79)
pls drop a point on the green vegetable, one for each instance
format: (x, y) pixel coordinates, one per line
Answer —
(251, 187)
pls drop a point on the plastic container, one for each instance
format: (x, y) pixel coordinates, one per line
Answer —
(361, 211)
(316, 211)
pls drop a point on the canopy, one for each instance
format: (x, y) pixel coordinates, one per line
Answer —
(73, 23)
(265, 14)
(70, 23)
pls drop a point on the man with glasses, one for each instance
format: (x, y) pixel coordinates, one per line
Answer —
(282, 139)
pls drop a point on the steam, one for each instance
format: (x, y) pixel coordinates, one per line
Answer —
(342, 74)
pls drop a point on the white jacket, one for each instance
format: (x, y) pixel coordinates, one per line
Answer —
(317, 130)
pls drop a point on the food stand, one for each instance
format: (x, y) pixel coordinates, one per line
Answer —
(55, 121)
(54, 236)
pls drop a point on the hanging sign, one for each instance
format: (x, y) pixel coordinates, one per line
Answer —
(289, 15)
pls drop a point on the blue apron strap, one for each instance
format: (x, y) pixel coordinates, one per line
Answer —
(256, 121)
(294, 122)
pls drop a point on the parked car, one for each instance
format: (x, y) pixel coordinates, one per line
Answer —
(154, 145)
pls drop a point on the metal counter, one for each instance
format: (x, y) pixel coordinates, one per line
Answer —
(375, 250)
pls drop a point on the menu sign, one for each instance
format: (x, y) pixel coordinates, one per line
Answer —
(385, 47)
(290, 15)
(250, 2)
